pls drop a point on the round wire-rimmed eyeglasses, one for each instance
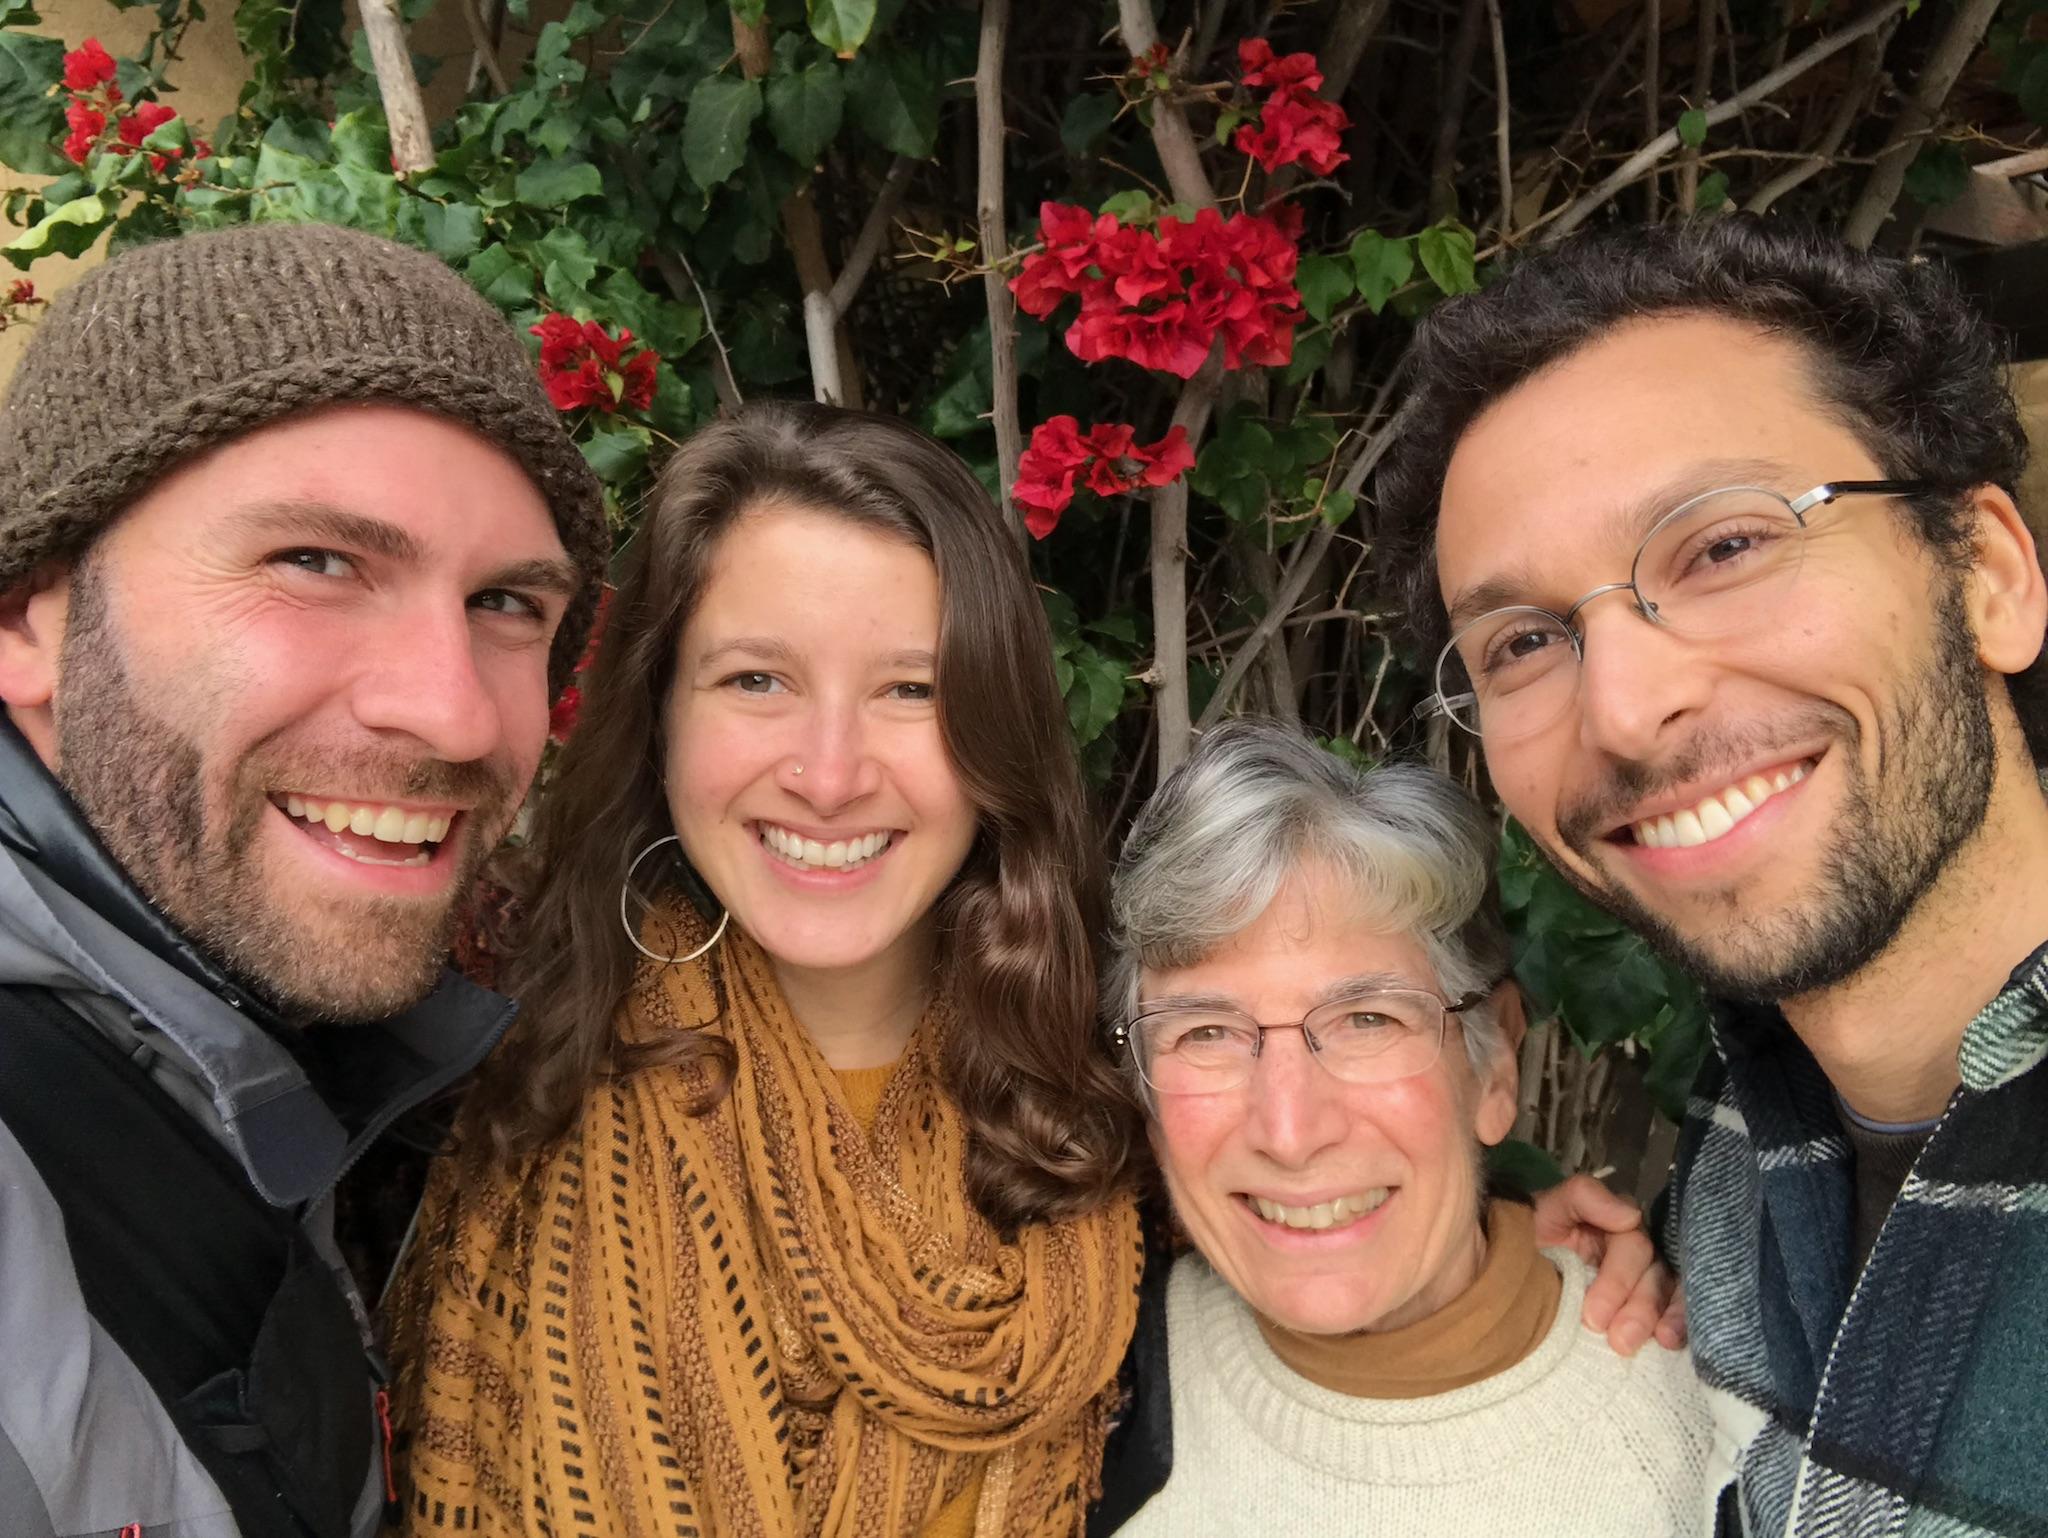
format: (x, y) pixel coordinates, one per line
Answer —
(1715, 565)
(1373, 1037)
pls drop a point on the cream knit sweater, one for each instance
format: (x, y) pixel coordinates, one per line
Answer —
(1573, 1440)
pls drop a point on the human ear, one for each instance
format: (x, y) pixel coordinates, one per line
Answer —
(32, 619)
(2007, 595)
(1500, 1087)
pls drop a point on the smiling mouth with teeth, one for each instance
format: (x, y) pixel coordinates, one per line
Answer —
(369, 832)
(1341, 1213)
(813, 854)
(1716, 816)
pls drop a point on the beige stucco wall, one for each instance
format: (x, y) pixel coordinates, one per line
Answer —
(2030, 384)
(208, 78)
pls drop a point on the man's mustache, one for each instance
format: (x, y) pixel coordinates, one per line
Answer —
(1723, 751)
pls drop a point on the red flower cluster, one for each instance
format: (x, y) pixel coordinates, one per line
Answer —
(1295, 123)
(1047, 471)
(89, 76)
(20, 296)
(1161, 299)
(569, 703)
(582, 364)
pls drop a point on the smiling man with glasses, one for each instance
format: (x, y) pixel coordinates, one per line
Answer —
(1712, 541)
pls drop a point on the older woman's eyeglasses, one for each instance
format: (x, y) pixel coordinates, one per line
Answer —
(1364, 1038)
(1717, 565)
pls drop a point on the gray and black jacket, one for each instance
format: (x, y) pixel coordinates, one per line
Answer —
(86, 1448)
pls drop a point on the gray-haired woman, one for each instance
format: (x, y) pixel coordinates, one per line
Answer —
(1307, 977)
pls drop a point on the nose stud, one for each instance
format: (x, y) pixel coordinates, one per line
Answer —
(798, 770)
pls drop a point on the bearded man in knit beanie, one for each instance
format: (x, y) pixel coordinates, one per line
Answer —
(293, 556)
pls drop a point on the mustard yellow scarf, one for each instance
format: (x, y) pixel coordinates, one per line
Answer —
(758, 1321)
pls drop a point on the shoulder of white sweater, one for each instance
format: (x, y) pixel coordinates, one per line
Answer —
(1570, 1397)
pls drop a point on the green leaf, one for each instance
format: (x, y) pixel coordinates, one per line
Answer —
(721, 113)
(558, 183)
(452, 231)
(895, 101)
(804, 110)
(553, 63)
(19, 13)
(69, 229)
(1311, 352)
(361, 139)
(1131, 207)
(1446, 252)
(841, 25)
(1324, 282)
(1086, 120)
(1227, 122)
(501, 277)
(172, 136)
(1523, 1166)
(1382, 266)
(31, 119)
(1939, 174)
(617, 456)
(1711, 193)
(1097, 695)
(1692, 128)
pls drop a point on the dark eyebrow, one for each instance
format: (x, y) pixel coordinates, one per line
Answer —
(318, 522)
(560, 578)
(1624, 526)
(323, 523)
(766, 648)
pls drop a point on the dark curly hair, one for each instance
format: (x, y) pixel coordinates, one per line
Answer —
(1897, 352)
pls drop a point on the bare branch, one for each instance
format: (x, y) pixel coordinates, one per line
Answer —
(412, 144)
(1653, 79)
(995, 245)
(482, 16)
(1888, 177)
(867, 245)
(1702, 90)
(1175, 142)
(1170, 575)
(1653, 153)
(1356, 24)
(1443, 165)
(1855, 96)
(1500, 120)
(676, 271)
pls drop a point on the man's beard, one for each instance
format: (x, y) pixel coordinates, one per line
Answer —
(142, 787)
(1891, 840)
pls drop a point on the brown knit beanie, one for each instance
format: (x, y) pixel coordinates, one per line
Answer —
(175, 347)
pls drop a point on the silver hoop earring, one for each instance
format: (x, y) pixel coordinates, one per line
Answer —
(627, 923)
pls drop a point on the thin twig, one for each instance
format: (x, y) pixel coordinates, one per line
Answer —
(1653, 79)
(1500, 121)
(1702, 90)
(486, 55)
(1855, 96)
(1443, 164)
(1653, 153)
(1937, 78)
(1354, 25)
(995, 244)
(676, 270)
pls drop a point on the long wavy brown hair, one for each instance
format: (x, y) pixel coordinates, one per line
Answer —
(1051, 1129)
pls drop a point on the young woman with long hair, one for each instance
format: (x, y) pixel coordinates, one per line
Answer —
(794, 1202)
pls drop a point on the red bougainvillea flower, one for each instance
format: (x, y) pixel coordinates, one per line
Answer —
(1294, 123)
(21, 291)
(583, 364)
(1151, 62)
(87, 123)
(90, 67)
(1060, 451)
(145, 120)
(1161, 298)
(568, 708)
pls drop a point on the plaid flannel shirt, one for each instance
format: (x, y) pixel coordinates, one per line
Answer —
(1911, 1400)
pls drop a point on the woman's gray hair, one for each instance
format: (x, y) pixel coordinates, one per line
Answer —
(1213, 846)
